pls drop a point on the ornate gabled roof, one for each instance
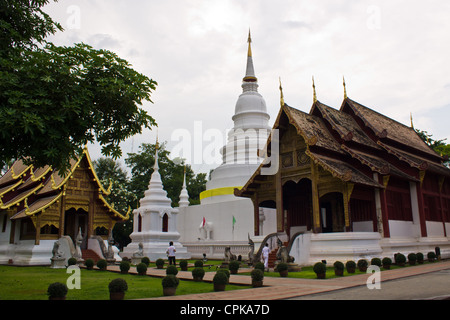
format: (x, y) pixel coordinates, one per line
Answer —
(311, 128)
(388, 129)
(33, 190)
(344, 125)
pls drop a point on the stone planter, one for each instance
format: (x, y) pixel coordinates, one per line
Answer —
(257, 284)
(116, 295)
(321, 275)
(284, 273)
(387, 266)
(219, 287)
(363, 269)
(198, 279)
(339, 272)
(169, 291)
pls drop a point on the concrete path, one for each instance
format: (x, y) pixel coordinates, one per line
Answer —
(285, 288)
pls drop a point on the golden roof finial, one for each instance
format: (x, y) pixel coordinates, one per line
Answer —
(411, 118)
(157, 142)
(314, 90)
(249, 54)
(345, 89)
(281, 94)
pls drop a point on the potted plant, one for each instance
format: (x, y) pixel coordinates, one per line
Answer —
(338, 268)
(431, 256)
(117, 288)
(257, 278)
(362, 265)
(159, 263)
(386, 262)
(226, 272)
(198, 264)
(220, 281)
(198, 274)
(419, 256)
(234, 266)
(320, 269)
(141, 269)
(102, 264)
(172, 270)
(89, 263)
(57, 291)
(400, 259)
(376, 262)
(146, 260)
(170, 284)
(282, 269)
(184, 265)
(124, 266)
(350, 266)
(412, 258)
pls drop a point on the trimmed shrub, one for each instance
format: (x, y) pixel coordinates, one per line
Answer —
(282, 266)
(146, 260)
(183, 265)
(412, 258)
(386, 262)
(198, 273)
(338, 265)
(102, 264)
(171, 269)
(141, 269)
(72, 261)
(159, 263)
(234, 266)
(419, 256)
(225, 271)
(170, 281)
(118, 285)
(198, 264)
(89, 263)
(257, 275)
(362, 265)
(124, 266)
(400, 259)
(431, 256)
(376, 262)
(350, 266)
(220, 278)
(260, 266)
(57, 290)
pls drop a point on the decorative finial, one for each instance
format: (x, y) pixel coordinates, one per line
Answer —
(411, 118)
(345, 89)
(314, 90)
(281, 94)
(249, 54)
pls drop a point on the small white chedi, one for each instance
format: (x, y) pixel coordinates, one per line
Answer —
(155, 223)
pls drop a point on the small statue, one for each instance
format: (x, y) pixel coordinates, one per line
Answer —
(251, 253)
(78, 243)
(57, 254)
(140, 252)
(283, 255)
(110, 253)
(228, 255)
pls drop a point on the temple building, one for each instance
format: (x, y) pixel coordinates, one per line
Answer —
(38, 206)
(351, 183)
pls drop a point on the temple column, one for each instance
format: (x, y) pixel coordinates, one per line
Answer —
(423, 225)
(347, 192)
(317, 228)
(256, 214)
(279, 202)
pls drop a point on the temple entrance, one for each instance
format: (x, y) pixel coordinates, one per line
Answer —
(297, 203)
(332, 212)
(74, 220)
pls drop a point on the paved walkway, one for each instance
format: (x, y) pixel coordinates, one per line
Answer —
(285, 288)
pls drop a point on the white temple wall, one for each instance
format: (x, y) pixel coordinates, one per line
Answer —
(434, 228)
(403, 229)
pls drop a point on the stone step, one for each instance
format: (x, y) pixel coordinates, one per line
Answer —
(89, 254)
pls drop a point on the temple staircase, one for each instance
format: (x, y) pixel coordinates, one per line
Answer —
(273, 255)
(89, 254)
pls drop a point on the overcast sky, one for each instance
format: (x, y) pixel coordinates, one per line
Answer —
(394, 56)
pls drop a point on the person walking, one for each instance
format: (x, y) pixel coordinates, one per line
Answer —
(171, 253)
(265, 254)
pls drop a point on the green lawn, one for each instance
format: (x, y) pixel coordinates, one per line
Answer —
(30, 283)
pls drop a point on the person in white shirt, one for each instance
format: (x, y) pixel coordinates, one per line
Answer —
(171, 253)
(265, 254)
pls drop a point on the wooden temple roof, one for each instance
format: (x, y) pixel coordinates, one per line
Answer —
(32, 190)
(336, 138)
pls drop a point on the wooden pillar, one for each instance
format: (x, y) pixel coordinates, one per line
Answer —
(279, 202)
(347, 193)
(441, 202)
(423, 225)
(38, 229)
(256, 214)
(384, 207)
(62, 213)
(12, 234)
(317, 227)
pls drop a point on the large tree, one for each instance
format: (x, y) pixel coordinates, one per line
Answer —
(53, 99)
(439, 146)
